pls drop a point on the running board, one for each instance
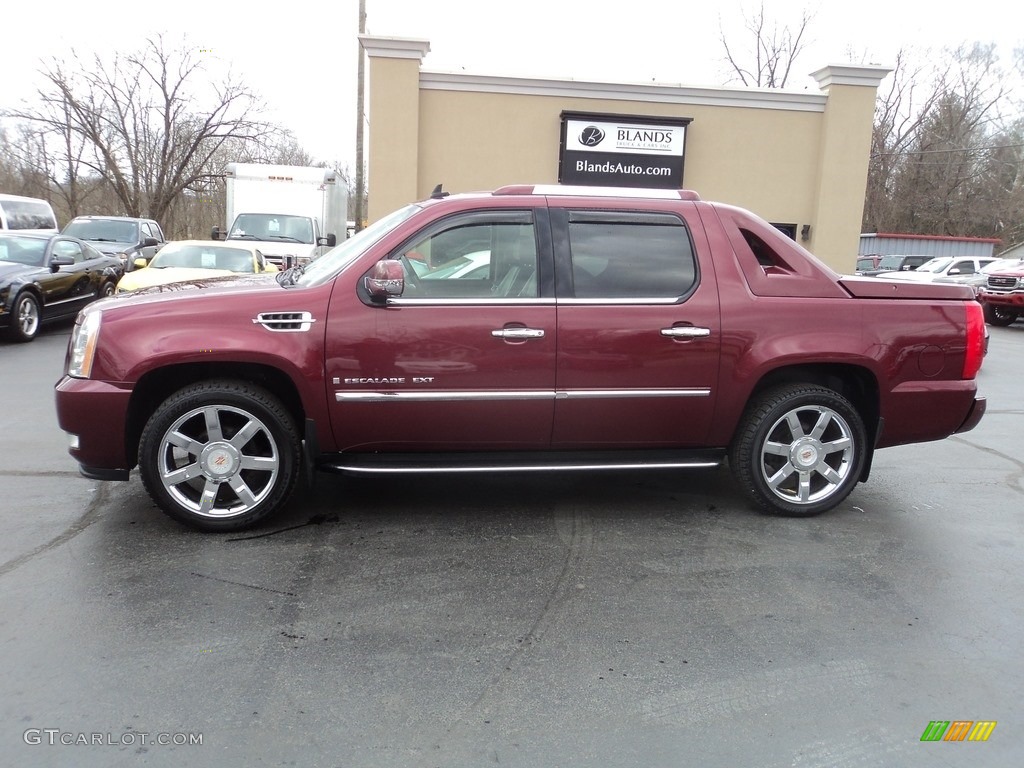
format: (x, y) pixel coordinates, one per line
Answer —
(534, 461)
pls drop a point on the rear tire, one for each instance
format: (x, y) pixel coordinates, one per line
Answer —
(799, 450)
(220, 455)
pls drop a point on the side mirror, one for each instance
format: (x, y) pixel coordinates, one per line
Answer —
(215, 233)
(140, 263)
(330, 241)
(954, 271)
(387, 280)
(61, 261)
(150, 242)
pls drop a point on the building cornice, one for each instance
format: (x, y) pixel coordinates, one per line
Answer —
(849, 74)
(395, 47)
(763, 98)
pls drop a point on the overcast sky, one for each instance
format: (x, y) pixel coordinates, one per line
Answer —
(301, 54)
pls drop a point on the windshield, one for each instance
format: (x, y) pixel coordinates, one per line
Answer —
(271, 227)
(324, 268)
(203, 257)
(23, 250)
(891, 262)
(103, 230)
(935, 265)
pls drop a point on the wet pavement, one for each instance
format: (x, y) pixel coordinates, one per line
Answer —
(552, 620)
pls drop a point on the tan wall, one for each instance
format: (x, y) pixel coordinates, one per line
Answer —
(791, 157)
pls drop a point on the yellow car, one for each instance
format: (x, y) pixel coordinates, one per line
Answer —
(185, 261)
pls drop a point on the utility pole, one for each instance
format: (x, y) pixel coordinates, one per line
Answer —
(360, 214)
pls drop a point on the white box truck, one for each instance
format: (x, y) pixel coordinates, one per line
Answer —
(293, 212)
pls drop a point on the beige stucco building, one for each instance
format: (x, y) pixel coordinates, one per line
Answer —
(799, 159)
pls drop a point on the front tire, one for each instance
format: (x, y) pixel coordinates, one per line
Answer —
(998, 316)
(799, 450)
(220, 455)
(25, 318)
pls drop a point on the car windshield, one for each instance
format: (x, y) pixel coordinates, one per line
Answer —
(273, 227)
(999, 264)
(891, 262)
(935, 265)
(23, 250)
(203, 257)
(103, 230)
(324, 268)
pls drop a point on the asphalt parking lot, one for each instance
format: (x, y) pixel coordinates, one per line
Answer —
(553, 620)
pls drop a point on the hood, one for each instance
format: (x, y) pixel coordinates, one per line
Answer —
(912, 275)
(279, 248)
(210, 282)
(10, 268)
(110, 248)
(178, 278)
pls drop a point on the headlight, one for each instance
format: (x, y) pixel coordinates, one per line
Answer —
(82, 347)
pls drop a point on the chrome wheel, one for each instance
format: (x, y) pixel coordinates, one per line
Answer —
(25, 318)
(807, 455)
(220, 455)
(799, 450)
(218, 461)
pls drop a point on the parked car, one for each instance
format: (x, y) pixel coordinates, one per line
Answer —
(471, 266)
(1002, 294)
(978, 279)
(127, 238)
(189, 261)
(942, 267)
(615, 328)
(27, 214)
(867, 263)
(896, 263)
(45, 277)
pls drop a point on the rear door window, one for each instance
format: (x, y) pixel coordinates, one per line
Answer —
(630, 255)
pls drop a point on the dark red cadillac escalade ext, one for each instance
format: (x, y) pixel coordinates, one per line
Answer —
(526, 329)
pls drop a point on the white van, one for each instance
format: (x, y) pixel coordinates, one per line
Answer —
(26, 214)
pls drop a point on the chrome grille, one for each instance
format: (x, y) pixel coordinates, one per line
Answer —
(285, 322)
(1001, 283)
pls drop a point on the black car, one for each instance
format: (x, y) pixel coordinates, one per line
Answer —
(123, 236)
(47, 277)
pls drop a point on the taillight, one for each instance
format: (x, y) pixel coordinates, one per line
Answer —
(975, 340)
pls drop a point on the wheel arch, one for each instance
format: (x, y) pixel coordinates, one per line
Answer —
(157, 385)
(856, 383)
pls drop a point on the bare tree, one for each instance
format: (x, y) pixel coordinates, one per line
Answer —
(147, 124)
(948, 161)
(764, 56)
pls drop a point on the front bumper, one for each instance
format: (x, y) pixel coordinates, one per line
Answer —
(1009, 299)
(95, 414)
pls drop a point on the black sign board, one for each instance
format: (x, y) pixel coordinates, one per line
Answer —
(622, 150)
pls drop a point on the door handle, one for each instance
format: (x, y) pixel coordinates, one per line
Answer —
(518, 334)
(686, 332)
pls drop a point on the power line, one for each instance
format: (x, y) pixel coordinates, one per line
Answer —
(944, 151)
